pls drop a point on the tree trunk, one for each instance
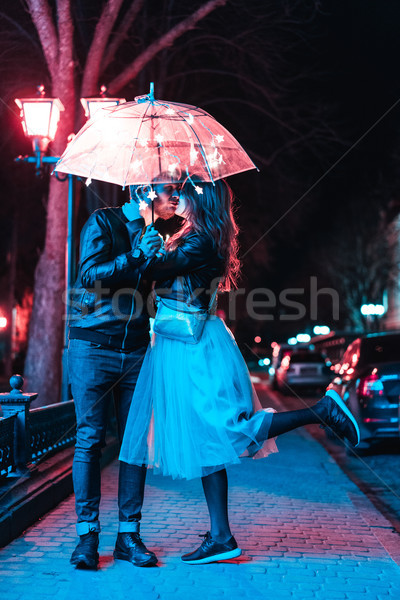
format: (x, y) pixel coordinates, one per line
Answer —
(43, 360)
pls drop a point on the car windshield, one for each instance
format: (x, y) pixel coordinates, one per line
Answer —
(309, 357)
(384, 349)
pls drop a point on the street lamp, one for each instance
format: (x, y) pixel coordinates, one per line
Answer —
(372, 309)
(39, 118)
(92, 105)
(303, 337)
(321, 330)
(372, 313)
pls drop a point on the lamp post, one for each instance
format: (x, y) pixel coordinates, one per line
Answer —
(40, 117)
(372, 313)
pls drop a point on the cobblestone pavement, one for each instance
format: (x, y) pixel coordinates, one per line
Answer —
(305, 529)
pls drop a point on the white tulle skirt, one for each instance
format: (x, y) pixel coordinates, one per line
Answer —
(194, 409)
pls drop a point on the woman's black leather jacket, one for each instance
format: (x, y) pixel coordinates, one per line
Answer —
(191, 270)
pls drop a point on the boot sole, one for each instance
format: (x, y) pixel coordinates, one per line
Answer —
(214, 558)
(335, 396)
(85, 564)
(123, 556)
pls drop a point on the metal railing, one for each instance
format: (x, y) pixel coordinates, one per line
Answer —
(28, 436)
(51, 428)
(7, 438)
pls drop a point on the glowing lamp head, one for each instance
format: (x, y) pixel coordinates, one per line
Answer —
(372, 309)
(3, 322)
(40, 117)
(321, 330)
(92, 105)
(257, 339)
(303, 337)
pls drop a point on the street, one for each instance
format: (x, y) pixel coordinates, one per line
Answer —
(376, 471)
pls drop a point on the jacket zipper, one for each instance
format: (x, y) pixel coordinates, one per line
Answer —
(130, 316)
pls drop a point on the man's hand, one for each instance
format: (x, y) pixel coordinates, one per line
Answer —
(151, 242)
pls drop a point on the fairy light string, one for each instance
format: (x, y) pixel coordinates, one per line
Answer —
(141, 147)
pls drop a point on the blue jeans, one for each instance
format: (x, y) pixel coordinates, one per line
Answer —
(96, 375)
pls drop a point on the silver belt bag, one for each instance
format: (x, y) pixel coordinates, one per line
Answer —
(178, 320)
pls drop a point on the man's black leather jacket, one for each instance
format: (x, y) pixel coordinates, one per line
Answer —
(103, 295)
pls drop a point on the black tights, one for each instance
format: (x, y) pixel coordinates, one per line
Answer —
(215, 486)
(283, 422)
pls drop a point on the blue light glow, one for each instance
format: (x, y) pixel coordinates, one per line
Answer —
(303, 337)
(321, 330)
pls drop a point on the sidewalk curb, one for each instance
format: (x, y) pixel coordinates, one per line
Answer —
(382, 529)
(25, 500)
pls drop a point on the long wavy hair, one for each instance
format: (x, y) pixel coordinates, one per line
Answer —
(212, 212)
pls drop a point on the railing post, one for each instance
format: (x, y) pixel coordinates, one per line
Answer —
(17, 403)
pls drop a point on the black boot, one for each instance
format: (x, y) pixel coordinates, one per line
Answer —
(129, 546)
(85, 555)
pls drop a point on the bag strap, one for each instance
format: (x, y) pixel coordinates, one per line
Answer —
(190, 289)
(212, 299)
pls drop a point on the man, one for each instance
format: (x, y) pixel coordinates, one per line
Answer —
(109, 334)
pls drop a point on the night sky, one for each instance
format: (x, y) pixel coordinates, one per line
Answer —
(298, 83)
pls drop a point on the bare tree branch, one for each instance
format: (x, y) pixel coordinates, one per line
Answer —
(122, 34)
(100, 39)
(165, 40)
(41, 17)
(20, 29)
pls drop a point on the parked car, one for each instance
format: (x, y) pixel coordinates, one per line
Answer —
(368, 379)
(278, 354)
(303, 369)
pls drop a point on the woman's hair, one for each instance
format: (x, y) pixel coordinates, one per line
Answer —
(212, 212)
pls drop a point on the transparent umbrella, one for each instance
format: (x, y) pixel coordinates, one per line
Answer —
(153, 140)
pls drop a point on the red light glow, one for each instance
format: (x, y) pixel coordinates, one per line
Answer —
(40, 116)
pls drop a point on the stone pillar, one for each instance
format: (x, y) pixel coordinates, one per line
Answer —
(17, 403)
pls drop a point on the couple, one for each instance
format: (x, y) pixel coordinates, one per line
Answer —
(188, 410)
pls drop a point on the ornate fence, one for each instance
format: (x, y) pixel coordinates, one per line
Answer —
(29, 436)
(7, 438)
(51, 428)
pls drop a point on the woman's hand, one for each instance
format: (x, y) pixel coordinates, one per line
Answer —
(151, 242)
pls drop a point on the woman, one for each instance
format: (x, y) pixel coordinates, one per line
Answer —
(194, 409)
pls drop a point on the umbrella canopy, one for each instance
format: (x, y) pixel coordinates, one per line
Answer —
(152, 140)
